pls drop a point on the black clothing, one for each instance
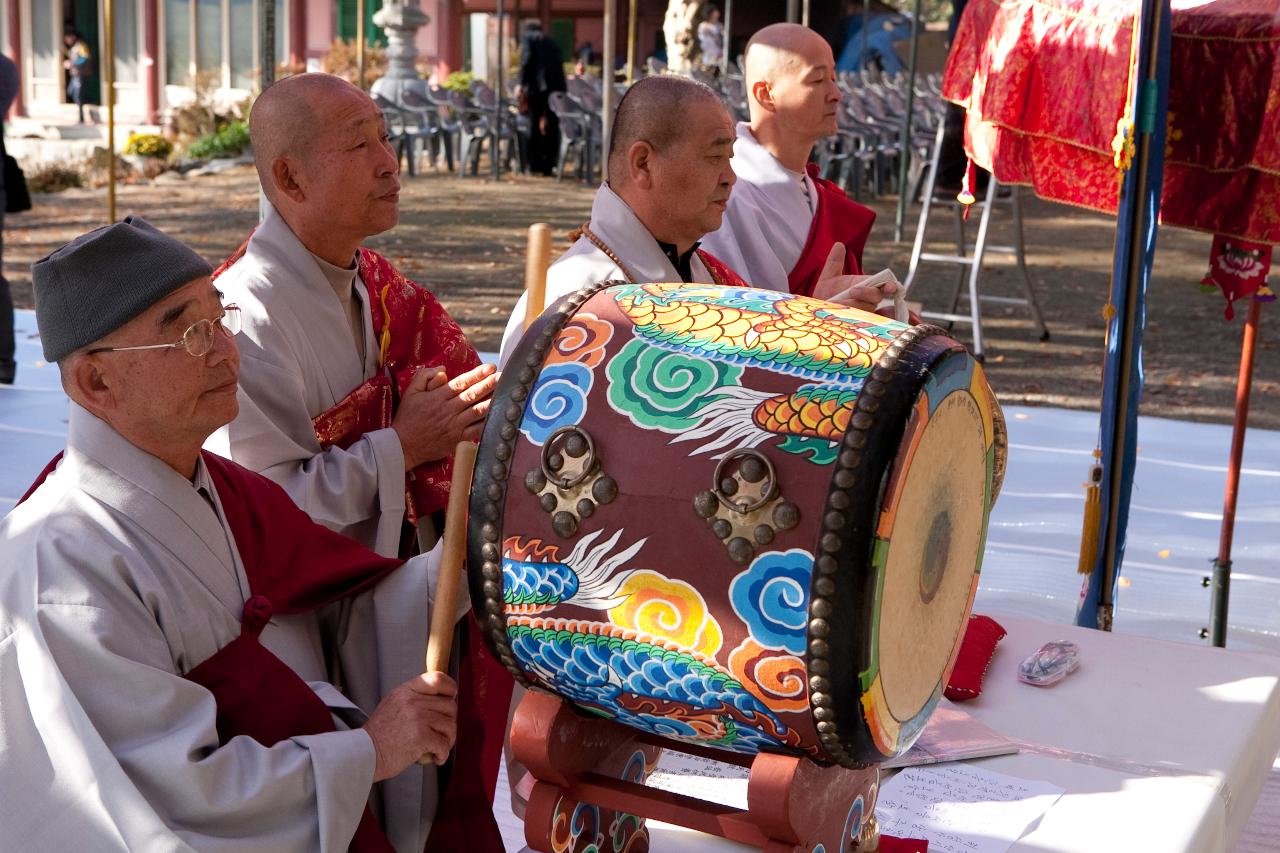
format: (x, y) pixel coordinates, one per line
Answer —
(541, 73)
(682, 263)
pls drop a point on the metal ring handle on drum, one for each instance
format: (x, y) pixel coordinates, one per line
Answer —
(727, 501)
(555, 478)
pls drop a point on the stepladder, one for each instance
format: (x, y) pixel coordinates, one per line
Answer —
(968, 282)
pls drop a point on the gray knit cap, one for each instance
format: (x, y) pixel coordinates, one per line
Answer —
(103, 279)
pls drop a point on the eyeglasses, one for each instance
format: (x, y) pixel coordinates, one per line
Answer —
(197, 340)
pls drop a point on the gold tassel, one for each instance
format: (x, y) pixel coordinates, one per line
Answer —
(1092, 517)
(384, 343)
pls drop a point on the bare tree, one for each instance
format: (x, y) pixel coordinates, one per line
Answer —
(681, 30)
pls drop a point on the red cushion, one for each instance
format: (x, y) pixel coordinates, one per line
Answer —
(976, 649)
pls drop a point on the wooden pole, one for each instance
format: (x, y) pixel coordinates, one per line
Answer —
(1222, 565)
(452, 558)
(359, 42)
(109, 79)
(631, 44)
(536, 261)
(266, 70)
(804, 13)
(606, 80)
(499, 87)
(267, 24)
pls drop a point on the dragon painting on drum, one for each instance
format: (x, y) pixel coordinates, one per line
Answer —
(734, 517)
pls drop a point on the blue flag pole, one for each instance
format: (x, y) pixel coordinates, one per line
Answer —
(1122, 373)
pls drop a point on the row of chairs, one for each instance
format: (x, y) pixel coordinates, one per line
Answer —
(456, 125)
(862, 157)
(578, 111)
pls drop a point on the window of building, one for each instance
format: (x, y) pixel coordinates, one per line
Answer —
(218, 38)
(347, 21)
(177, 42)
(209, 36)
(44, 41)
(126, 40)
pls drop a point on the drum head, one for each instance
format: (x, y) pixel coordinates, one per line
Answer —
(928, 550)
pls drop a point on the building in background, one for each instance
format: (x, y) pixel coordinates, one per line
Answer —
(163, 46)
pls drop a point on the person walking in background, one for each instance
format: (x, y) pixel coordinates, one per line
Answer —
(711, 39)
(541, 73)
(8, 91)
(79, 65)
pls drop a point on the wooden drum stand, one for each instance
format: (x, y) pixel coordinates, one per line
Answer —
(590, 790)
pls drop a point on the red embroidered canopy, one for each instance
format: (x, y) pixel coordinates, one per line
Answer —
(1045, 82)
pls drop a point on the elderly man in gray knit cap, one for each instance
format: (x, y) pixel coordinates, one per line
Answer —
(165, 673)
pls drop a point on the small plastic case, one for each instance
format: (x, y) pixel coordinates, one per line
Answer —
(1050, 663)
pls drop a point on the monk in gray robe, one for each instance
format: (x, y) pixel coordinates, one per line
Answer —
(355, 386)
(324, 323)
(174, 631)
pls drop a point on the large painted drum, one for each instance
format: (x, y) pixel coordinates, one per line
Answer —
(735, 517)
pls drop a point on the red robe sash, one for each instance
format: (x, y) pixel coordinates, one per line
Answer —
(837, 219)
(413, 331)
(720, 271)
(294, 566)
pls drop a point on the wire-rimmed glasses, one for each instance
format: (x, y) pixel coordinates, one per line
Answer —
(198, 339)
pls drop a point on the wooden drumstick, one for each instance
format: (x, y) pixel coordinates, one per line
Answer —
(452, 558)
(536, 262)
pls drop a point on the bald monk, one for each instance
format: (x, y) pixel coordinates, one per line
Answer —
(355, 386)
(669, 182)
(786, 228)
(317, 413)
(670, 179)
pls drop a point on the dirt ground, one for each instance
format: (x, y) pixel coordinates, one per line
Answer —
(465, 238)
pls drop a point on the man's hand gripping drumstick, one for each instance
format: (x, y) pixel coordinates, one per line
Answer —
(418, 721)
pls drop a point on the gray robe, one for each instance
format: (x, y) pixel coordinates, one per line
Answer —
(614, 223)
(766, 226)
(296, 361)
(119, 577)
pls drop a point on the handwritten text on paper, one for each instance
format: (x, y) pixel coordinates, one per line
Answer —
(960, 808)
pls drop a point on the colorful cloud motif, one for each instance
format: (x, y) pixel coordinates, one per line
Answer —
(558, 399)
(777, 680)
(581, 340)
(669, 609)
(659, 389)
(771, 597)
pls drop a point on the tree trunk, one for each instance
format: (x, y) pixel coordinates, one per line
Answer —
(680, 28)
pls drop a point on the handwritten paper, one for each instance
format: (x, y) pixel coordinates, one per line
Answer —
(695, 776)
(962, 809)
